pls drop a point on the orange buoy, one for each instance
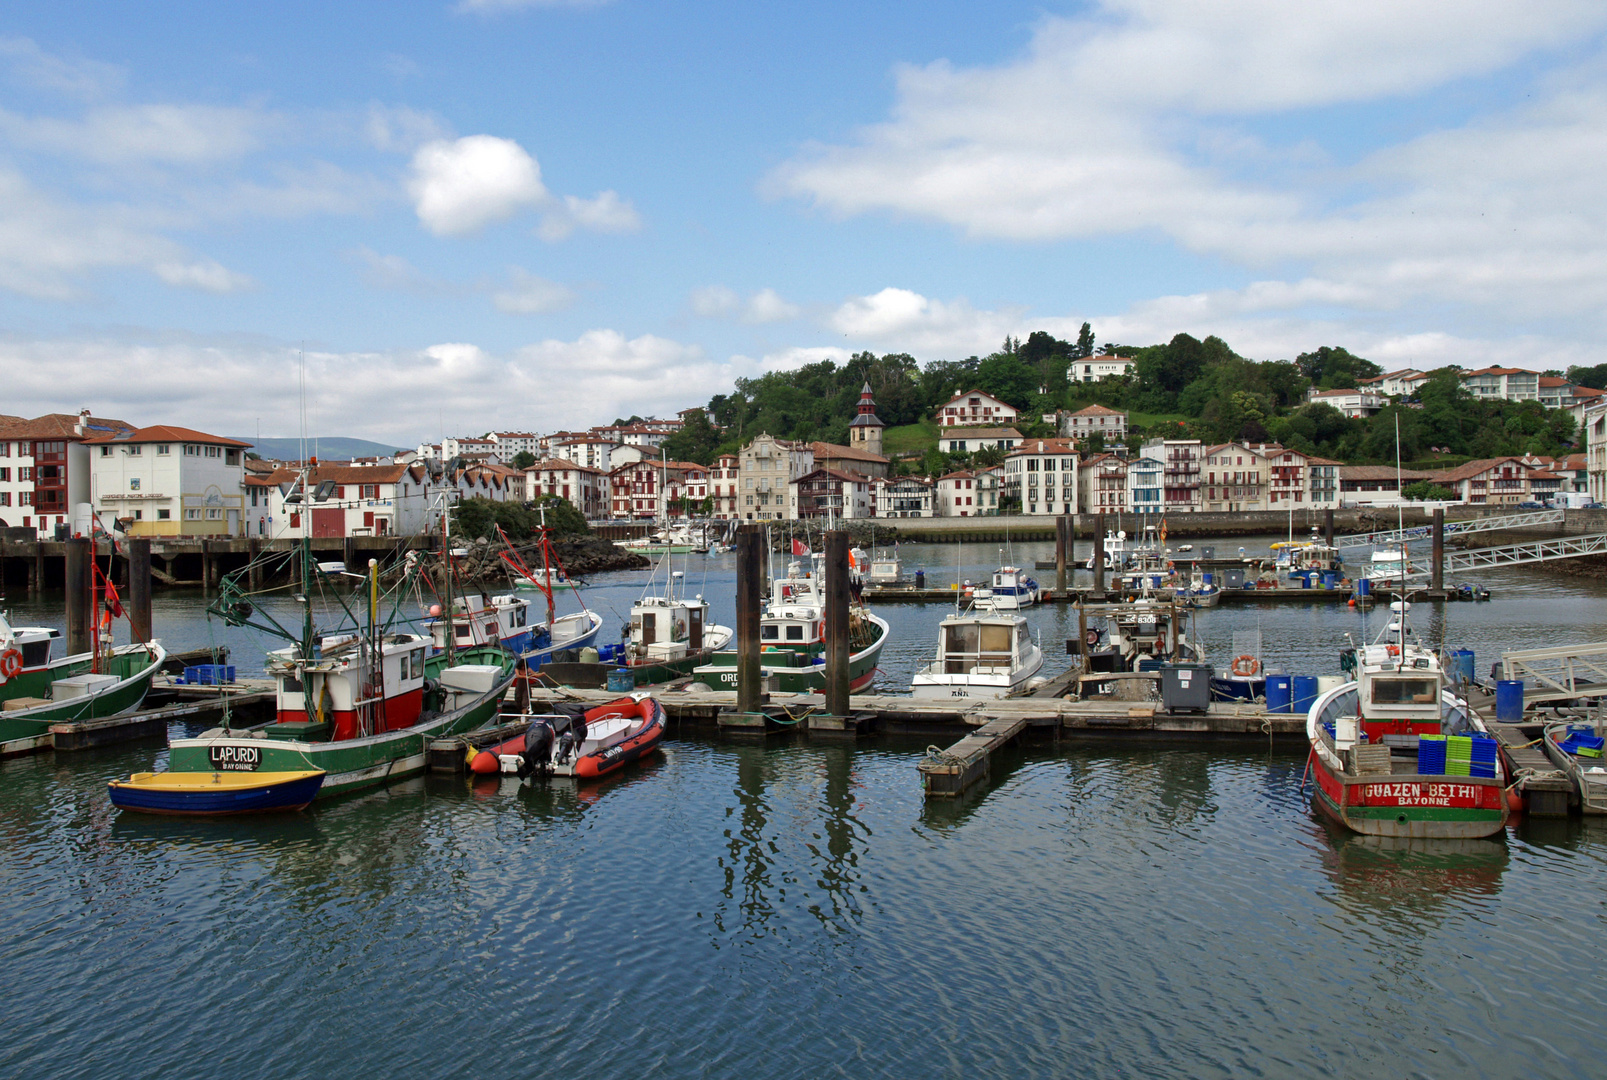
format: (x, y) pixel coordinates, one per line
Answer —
(485, 763)
(1352, 601)
(1514, 801)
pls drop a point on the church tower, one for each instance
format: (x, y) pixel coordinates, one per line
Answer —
(865, 430)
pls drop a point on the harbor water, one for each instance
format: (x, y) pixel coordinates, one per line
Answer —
(789, 909)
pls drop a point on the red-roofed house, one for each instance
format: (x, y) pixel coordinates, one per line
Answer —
(975, 407)
(1353, 403)
(1040, 476)
(45, 469)
(1111, 424)
(384, 499)
(585, 487)
(826, 494)
(169, 481)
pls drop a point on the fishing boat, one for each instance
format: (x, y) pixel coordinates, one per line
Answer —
(1010, 590)
(792, 639)
(887, 572)
(216, 794)
(37, 690)
(1397, 753)
(668, 635)
(981, 653)
(542, 580)
(1115, 551)
(1245, 677)
(1121, 637)
(505, 620)
(1202, 591)
(360, 702)
(1576, 749)
(586, 744)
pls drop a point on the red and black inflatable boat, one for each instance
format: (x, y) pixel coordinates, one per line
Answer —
(585, 744)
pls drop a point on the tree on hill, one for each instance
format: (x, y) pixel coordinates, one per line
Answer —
(1593, 377)
(480, 518)
(696, 441)
(1335, 368)
(523, 460)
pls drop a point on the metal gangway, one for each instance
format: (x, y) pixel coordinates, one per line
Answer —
(1426, 532)
(1533, 551)
(1571, 671)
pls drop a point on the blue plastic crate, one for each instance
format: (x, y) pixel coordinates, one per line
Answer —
(1485, 769)
(1584, 745)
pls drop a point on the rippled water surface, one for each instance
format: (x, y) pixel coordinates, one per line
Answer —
(798, 910)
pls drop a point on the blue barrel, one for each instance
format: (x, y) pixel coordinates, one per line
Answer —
(1304, 692)
(1329, 579)
(1509, 700)
(1207, 577)
(621, 681)
(1280, 694)
(1462, 665)
(1364, 587)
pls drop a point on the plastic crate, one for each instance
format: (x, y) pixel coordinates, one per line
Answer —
(209, 674)
(1582, 745)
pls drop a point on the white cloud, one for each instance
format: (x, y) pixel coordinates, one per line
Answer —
(208, 276)
(604, 213)
(31, 66)
(399, 129)
(528, 294)
(764, 306)
(396, 273)
(1139, 119)
(714, 301)
(160, 134)
(461, 186)
(929, 328)
(798, 356)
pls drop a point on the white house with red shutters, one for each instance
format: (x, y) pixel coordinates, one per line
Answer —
(958, 494)
(723, 486)
(361, 500)
(975, 407)
(587, 488)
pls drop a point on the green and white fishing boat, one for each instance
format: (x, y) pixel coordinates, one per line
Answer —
(792, 640)
(37, 690)
(361, 704)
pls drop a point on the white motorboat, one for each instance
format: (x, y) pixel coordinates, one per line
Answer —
(983, 653)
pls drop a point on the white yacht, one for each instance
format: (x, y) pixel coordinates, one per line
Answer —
(983, 653)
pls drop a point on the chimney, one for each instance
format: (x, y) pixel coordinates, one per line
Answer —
(82, 427)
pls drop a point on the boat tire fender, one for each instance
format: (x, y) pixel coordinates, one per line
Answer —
(1245, 665)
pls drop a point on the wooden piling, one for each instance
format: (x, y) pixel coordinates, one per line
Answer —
(1437, 571)
(1099, 554)
(837, 650)
(139, 588)
(1062, 544)
(36, 574)
(254, 568)
(77, 585)
(750, 566)
(1328, 526)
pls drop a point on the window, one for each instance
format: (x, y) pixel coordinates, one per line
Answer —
(105, 451)
(191, 450)
(5, 498)
(214, 451)
(231, 457)
(214, 514)
(162, 449)
(25, 498)
(133, 451)
(139, 515)
(5, 474)
(25, 472)
(164, 515)
(192, 515)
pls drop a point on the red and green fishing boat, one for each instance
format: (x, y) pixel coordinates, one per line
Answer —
(792, 641)
(1397, 753)
(37, 690)
(360, 704)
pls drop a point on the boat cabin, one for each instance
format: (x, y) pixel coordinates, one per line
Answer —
(982, 643)
(666, 628)
(341, 694)
(33, 642)
(483, 620)
(1118, 637)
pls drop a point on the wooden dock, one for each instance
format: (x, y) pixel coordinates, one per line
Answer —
(1084, 595)
(946, 774)
(167, 703)
(1546, 791)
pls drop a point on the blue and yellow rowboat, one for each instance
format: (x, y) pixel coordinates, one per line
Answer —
(212, 794)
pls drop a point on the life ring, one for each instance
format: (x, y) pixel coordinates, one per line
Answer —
(10, 664)
(1245, 665)
(1394, 650)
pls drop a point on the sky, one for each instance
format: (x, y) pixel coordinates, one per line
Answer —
(401, 220)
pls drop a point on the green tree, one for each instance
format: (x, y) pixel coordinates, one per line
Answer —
(1594, 377)
(1427, 491)
(1335, 368)
(523, 460)
(1085, 342)
(696, 441)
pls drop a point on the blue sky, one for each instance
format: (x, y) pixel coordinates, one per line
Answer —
(495, 214)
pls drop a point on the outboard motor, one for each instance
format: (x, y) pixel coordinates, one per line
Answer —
(566, 743)
(537, 756)
(577, 727)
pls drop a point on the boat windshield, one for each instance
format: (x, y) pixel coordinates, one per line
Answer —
(1403, 691)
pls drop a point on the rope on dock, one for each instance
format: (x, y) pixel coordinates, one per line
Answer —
(939, 756)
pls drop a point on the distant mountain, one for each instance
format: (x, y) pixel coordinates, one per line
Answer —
(334, 449)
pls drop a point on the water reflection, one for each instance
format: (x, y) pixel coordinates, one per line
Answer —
(1420, 879)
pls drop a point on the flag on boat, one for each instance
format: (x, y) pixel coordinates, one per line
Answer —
(1163, 530)
(852, 565)
(799, 547)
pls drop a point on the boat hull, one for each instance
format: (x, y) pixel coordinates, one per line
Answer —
(721, 674)
(536, 657)
(351, 764)
(124, 696)
(191, 795)
(1415, 807)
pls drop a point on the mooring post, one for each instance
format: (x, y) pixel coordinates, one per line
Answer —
(1437, 582)
(77, 585)
(837, 650)
(139, 588)
(253, 567)
(750, 565)
(1328, 526)
(36, 572)
(1099, 555)
(1062, 542)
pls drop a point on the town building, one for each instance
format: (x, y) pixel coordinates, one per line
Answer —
(766, 470)
(1355, 404)
(968, 440)
(1375, 485)
(1512, 384)
(1040, 476)
(1103, 486)
(904, 497)
(1322, 476)
(1094, 368)
(510, 444)
(1180, 477)
(850, 459)
(360, 500)
(956, 495)
(723, 486)
(1503, 480)
(1109, 424)
(1235, 479)
(1145, 485)
(824, 494)
(168, 481)
(1401, 383)
(1286, 476)
(45, 469)
(975, 408)
(583, 448)
(581, 485)
(865, 429)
